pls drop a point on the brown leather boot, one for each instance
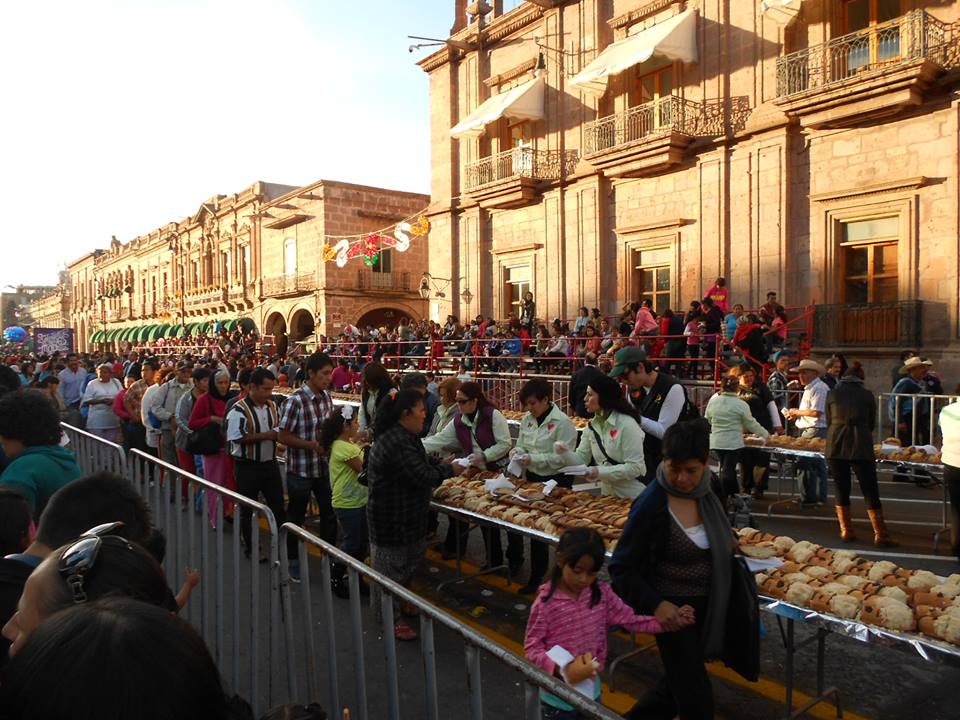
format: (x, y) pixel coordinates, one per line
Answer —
(846, 526)
(881, 538)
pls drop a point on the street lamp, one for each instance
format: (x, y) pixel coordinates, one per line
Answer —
(428, 288)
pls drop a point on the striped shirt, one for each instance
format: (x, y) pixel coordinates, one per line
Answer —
(245, 418)
(303, 413)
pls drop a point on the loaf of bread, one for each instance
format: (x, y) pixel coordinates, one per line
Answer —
(887, 613)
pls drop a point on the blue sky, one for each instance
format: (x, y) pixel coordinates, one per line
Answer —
(123, 115)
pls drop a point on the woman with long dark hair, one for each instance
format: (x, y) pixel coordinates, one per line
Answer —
(401, 478)
(376, 384)
(612, 444)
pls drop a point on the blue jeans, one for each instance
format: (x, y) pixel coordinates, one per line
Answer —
(353, 525)
(812, 472)
(299, 489)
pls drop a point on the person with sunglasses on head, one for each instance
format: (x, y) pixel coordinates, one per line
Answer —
(95, 565)
(480, 432)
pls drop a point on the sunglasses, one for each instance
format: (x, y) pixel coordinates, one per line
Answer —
(464, 401)
(80, 558)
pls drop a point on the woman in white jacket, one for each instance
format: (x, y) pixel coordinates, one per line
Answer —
(729, 419)
(541, 429)
(612, 442)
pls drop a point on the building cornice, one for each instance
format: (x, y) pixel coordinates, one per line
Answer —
(911, 183)
(511, 74)
(440, 58)
(650, 8)
(662, 224)
(514, 20)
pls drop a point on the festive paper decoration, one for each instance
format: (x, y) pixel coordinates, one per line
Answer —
(369, 246)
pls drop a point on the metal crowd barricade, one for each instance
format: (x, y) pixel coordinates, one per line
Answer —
(94, 453)
(922, 432)
(432, 620)
(238, 599)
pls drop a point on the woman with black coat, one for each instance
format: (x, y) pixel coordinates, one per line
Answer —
(851, 421)
(674, 559)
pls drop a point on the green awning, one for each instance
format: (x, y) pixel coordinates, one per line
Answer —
(143, 333)
(191, 329)
(127, 334)
(157, 332)
(171, 331)
(229, 325)
(95, 338)
(111, 335)
(246, 324)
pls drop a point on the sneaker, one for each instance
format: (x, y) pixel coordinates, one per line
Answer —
(294, 567)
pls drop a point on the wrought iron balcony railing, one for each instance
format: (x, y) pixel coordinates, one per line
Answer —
(913, 36)
(521, 162)
(396, 281)
(650, 120)
(212, 296)
(895, 324)
(290, 284)
(236, 293)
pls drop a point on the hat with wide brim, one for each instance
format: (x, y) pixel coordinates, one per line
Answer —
(914, 362)
(813, 365)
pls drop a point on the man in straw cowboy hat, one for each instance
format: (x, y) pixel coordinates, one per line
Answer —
(909, 414)
(811, 421)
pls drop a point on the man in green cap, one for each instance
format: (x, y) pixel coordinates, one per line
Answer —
(660, 399)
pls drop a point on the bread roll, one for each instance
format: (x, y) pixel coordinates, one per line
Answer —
(799, 593)
(894, 592)
(922, 580)
(783, 544)
(888, 613)
(881, 569)
(759, 552)
(802, 551)
(845, 606)
(946, 590)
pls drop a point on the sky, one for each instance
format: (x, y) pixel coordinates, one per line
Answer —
(122, 115)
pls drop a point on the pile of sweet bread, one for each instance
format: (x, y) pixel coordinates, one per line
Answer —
(903, 454)
(842, 584)
(345, 396)
(527, 506)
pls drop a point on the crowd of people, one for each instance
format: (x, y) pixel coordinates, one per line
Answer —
(371, 469)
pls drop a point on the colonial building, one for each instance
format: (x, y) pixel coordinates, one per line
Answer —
(303, 294)
(598, 152)
(51, 310)
(255, 254)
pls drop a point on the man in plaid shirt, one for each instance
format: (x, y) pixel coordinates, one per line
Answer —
(307, 472)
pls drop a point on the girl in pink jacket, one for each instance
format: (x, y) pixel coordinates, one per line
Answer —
(571, 617)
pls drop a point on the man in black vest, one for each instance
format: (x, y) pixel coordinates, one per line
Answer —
(662, 401)
(252, 436)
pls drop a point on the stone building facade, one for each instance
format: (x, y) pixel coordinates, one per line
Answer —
(811, 152)
(51, 310)
(253, 254)
(302, 294)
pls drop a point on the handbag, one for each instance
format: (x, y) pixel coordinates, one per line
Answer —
(741, 646)
(205, 441)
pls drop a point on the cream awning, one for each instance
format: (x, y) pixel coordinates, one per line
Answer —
(674, 39)
(781, 11)
(524, 102)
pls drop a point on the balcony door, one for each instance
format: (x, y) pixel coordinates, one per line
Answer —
(649, 99)
(517, 139)
(871, 45)
(652, 275)
(870, 291)
(516, 284)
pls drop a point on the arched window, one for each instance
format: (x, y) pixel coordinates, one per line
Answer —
(290, 256)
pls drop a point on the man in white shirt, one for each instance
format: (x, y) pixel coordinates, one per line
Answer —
(162, 403)
(811, 421)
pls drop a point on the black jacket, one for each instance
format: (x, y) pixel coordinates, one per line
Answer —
(400, 478)
(851, 421)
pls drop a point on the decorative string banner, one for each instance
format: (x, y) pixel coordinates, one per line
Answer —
(369, 246)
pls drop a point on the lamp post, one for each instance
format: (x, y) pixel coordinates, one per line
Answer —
(429, 288)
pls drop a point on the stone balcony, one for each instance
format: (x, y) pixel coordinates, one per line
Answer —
(516, 177)
(864, 76)
(649, 138)
(287, 285)
(368, 280)
(209, 298)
